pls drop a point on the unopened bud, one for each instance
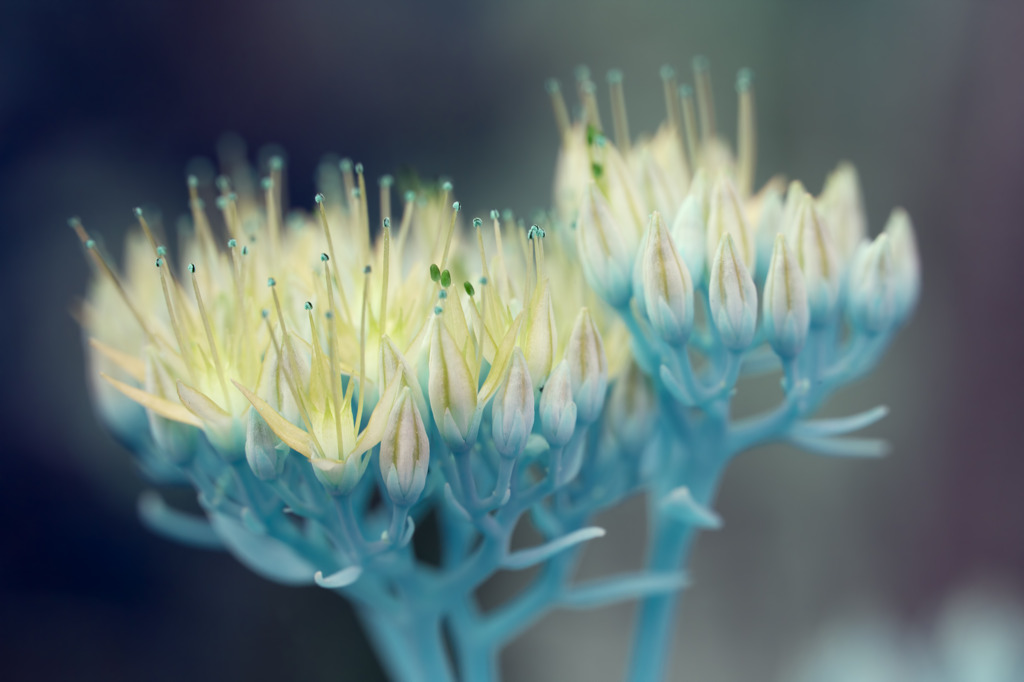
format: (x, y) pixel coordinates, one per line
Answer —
(557, 408)
(512, 409)
(263, 451)
(726, 217)
(541, 334)
(668, 290)
(688, 233)
(785, 310)
(812, 244)
(842, 206)
(607, 262)
(732, 297)
(404, 451)
(906, 262)
(873, 286)
(452, 390)
(588, 368)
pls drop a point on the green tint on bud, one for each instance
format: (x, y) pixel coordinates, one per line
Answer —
(812, 243)
(512, 409)
(667, 288)
(263, 451)
(588, 368)
(557, 408)
(451, 390)
(404, 451)
(873, 286)
(607, 262)
(842, 205)
(906, 262)
(541, 334)
(785, 311)
(732, 297)
(726, 217)
(688, 233)
(339, 477)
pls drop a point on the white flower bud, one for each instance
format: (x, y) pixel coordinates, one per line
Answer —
(668, 290)
(632, 406)
(176, 442)
(732, 297)
(404, 451)
(906, 262)
(541, 335)
(842, 206)
(873, 286)
(588, 367)
(557, 409)
(338, 476)
(726, 216)
(451, 389)
(688, 232)
(768, 226)
(607, 262)
(785, 310)
(263, 452)
(512, 409)
(816, 254)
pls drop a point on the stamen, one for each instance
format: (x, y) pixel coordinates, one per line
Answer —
(101, 263)
(290, 380)
(558, 104)
(619, 120)
(332, 358)
(199, 219)
(330, 249)
(446, 190)
(746, 136)
(451, 231)
(502, 270)
(382, 323)
(239, 298)
(403, 230)
(690, 124)
(385, 183)
(345, 166)
(672, 108)
(145, 228)
(362, 348)
(183, 350)
(273, 220)
(478, 224)
(364, 212)
(705, 98)
(592, 115)
(209, 338)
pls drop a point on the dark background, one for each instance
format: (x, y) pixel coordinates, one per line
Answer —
(103, 104)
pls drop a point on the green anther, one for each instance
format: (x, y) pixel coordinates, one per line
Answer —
(592, 134)
(386, 181)
(359, 169)
(308, 305)
(435, 273)
(446, 279)
(597, 170)
(456, 206)
(329, 315)
(223, 184)
(446, 186)
(245, 250)
(161, 250)
(438, 310)
(319, 198)
(483, 281)
(410, 197)
(267, 183)
(469, 288)
(90, 244)
(232, 243)
(138, 211)
(477, 222)
(271, 282)
(159, 262)
(265, 313)
(356, 193)
(367, 270)
(276, 163)
(222, 203)
(494, 214)
(324, 258)
(443, 294)
(345, 165)
(387, 222)
(192, 268)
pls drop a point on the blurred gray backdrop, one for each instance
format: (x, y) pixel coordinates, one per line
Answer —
(102, 105)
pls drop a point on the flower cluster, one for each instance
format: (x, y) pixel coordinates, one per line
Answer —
(324, 384)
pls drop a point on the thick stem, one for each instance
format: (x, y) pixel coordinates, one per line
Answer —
(411, 649)
(671, 541)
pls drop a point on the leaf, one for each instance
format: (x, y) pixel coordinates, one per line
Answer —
(161, 406)
(133, 366)
(294, 437)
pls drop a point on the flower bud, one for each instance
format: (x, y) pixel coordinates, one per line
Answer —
(842, 206)
(732, 297)
(588, 368)
(451, 389)
(392, 362)
(338, 476)
(176, 442)
(726, 216)
(265, 458)
(512, 409)
(873, 286)
(541, 334)
(906, 262)
(404, 451)
(668, 290)
(557, 409)
(607, 262)
(632, 406)
(688, 233)
(812, 243)
(786, 313)
(768, 226)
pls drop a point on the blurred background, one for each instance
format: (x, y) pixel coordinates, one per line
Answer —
(104, 103)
